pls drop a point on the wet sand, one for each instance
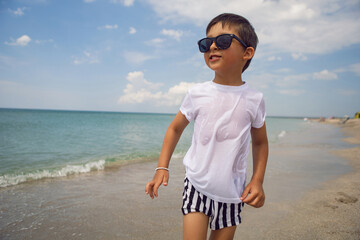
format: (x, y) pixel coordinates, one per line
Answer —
(332, 210)
(312, 193)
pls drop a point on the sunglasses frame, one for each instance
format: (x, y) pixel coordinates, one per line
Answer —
(214, 39)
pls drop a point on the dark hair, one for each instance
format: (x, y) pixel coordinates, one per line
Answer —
(245, 29)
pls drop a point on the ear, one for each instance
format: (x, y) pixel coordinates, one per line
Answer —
(249, 53)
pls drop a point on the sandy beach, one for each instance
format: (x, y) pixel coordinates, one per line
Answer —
(311, 187)
(331, 211)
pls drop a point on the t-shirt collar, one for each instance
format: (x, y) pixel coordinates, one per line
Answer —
(228, 87)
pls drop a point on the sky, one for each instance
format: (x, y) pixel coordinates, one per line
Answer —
(142, 55)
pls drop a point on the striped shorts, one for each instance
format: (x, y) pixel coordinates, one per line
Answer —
(221, 214)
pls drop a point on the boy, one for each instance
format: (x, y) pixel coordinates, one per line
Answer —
(226, 113)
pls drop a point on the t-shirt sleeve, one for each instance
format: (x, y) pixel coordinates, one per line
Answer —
(187, 107)
(260, 115)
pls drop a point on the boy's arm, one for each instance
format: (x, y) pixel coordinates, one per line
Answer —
(254, 193)
(171, 138)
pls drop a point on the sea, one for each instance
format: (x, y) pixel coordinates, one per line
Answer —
(41, 144)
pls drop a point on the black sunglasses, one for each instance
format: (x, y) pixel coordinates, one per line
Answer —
(222, 41)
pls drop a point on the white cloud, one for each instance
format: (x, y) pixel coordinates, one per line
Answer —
(126, 3)
(136, 57)
(325, 75)
(175, 94)
(292, 80)
(299, 56)
(132, 30)
(137, 80)
(355, 68)
(24, 40)
(18, 11)
(89, 1)
(294, 26)
(295, 10)
(108, 27)
(21, 41)
(274, 58)
(44, 41)
(139, 90)
(176, 34)
(284, 70)
(86, 58)
(156, 42)
(283, 79)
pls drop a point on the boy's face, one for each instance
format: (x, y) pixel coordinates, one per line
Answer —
(226, 60)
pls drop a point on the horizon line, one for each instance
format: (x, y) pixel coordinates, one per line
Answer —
(140, 112)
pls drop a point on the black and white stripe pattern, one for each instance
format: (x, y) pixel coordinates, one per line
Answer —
(221, 214)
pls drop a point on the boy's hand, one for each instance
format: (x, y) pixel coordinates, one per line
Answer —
(253, 194)
(160, 177)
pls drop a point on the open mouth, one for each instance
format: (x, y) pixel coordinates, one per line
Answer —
(215, 57)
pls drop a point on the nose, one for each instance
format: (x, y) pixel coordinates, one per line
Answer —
(213, 45)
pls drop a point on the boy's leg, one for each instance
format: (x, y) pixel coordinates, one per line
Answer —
(223, 234)
(195, 226)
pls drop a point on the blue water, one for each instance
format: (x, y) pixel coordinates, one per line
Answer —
(37, 144)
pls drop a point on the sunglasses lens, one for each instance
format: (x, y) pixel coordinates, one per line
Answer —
(204, 45)
(223, 41)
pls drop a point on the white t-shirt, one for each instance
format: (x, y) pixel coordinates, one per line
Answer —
(223, 116)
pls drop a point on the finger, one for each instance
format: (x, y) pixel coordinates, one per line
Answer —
(151, 194)
(250, 199)
(261, 202)
(245, 194)
(258, 201)
(156, 187)
(149, 189)
(166, 179)
(253, 202)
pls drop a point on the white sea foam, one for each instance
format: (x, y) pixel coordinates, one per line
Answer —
(282, 134)
(13, 179)
(179, 155)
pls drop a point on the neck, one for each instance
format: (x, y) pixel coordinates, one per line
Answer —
(228, 79)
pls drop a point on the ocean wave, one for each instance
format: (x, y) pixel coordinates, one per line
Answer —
(282, 134)
(179, 155)
(14, 179)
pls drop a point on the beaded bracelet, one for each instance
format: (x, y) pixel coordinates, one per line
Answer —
(161, 168)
